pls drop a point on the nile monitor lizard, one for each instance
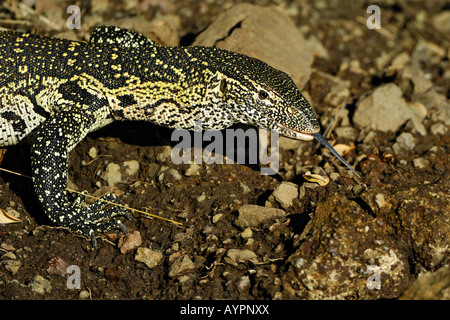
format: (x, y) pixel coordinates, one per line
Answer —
(60, 90)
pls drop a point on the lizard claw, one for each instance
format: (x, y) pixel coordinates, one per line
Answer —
(122, 227)
(93, 238)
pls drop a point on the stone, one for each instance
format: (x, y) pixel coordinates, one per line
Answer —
(441, 22)
(112, 174)
(263, 33)
(193, 170)
(132, 167)
(40, 285)
(236, 256)
(151, 258)
(405, 141)
(130, 241)
(430, 286)
(421, 163)
(253, 215)
(385, 109)
(285, 194)
(12, 266)
(93, 152)
(181, 266)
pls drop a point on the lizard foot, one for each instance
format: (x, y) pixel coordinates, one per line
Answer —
(94, 218)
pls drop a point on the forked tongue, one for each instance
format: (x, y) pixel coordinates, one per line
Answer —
(325, 143)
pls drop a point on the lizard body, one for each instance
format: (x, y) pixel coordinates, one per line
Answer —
(58, 91)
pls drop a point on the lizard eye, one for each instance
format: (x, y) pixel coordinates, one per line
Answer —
(262, 94)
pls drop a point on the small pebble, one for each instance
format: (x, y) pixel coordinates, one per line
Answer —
(235, 256)
(40, 285)
(151, 258)
(129, 241)
(181, 266)
(252, 215)
(247, 233)
(193, 170)
(93, 152)
(420, 163)
(132, 167)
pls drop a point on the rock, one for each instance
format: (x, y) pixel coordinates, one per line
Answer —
(151, 170)
(165, 155)
(216, 218)
(380, 200)
(151, 258)
(57, 266)
(12, 266)
(438, 129)
(201, 197)
(235, 256)
(400, 61)
(84, 294)
(165, 171)
(405, 141)
(93, 152)
(285, 194)
(421, 163)
(181, 266)
(425, 215)
(263, 33)
(165, 29)
(112, 174)
(342, 265)
(412, 79)
(40, 285)
(441, 22)
(253, 215)
(430, 286)
(385, 109)
(317, 48)
(6, 246)
(245, 188)
(346, 133)
(338, 93)
(130, 241)
(247, 233)
(132, 167)
(244, 283)
(193, 170)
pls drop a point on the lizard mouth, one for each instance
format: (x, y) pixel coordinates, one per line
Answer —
(294, 134)
(303, 136)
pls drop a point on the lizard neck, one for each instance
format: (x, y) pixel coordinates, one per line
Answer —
(167, 86)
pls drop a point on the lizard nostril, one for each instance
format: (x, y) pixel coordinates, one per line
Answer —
(291, 110)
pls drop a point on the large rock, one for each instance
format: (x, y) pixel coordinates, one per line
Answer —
(385, 109)
(285, 194)
(263, 33)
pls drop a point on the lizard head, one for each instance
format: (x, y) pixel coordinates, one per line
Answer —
(261, 95)
(258, 94)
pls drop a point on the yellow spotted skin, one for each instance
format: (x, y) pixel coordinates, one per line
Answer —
(56, 91)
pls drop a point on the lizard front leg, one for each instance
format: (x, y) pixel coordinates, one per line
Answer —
(49, 160)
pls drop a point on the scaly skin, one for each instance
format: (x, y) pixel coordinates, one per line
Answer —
(60, 90)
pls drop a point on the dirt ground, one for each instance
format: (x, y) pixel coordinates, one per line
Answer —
(332, 242)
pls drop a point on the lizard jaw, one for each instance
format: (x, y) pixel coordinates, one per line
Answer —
(303, 136)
